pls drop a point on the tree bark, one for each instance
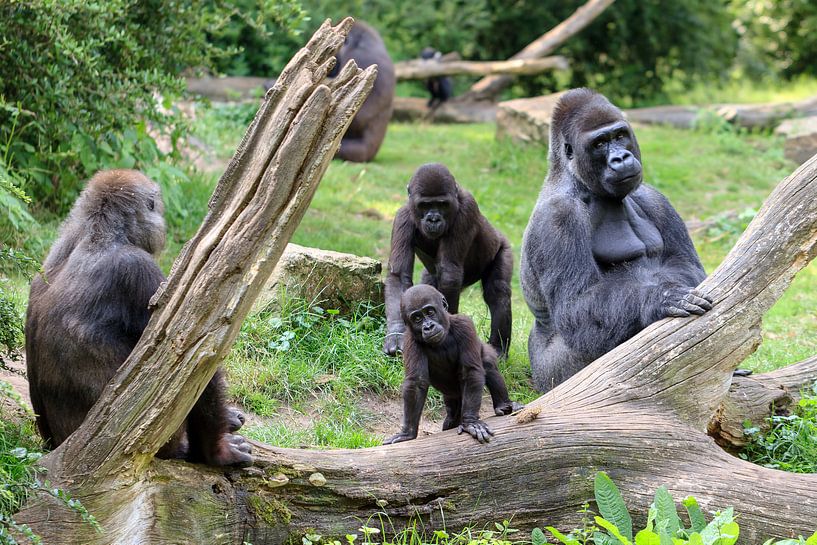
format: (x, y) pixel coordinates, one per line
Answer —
(639, 412)
(489, 87)
(422, 68)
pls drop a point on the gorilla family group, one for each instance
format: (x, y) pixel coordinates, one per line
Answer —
(603, 256)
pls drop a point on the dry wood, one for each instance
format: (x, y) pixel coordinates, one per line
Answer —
(640, 412)
(422, 68)
(489, 87)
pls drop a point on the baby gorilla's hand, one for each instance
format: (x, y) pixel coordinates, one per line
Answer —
(399, 438)
(477, 429)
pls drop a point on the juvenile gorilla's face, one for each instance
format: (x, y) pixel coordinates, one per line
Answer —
(433, 215)
(434, 201)
(425, 312)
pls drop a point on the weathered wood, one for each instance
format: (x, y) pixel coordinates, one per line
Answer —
(754, 398)
(429, 68)
(451, 111)
(490, 87)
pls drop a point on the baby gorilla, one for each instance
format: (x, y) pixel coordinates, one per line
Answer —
(443, 351)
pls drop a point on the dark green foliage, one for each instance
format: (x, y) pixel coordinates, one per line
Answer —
(791, 443)
(75, 75)
(779, 36)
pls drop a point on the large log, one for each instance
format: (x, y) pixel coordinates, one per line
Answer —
(429, 68)
(640, 412)
(490, 87)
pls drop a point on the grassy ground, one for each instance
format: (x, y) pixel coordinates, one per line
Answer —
(310, 392)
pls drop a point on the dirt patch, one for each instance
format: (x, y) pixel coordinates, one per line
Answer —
(15, 376)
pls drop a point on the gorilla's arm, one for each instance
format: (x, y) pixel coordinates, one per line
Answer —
(415, 390)
(680, 263)
(399, 278)
(472, 377)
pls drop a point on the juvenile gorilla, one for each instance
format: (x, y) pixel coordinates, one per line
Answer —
(603, 256)
(368, 128)
(89, 308)
(441, 87)
(442, 224)
(442, 350)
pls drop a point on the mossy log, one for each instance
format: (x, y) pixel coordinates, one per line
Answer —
(641, 412)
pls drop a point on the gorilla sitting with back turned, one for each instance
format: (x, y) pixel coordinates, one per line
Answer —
(603, 256)
(368, 129)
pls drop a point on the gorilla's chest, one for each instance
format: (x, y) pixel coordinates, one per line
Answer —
(622, 233)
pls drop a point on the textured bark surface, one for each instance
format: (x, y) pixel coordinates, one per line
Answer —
(422, 68)
(640, 412)
(490, 87)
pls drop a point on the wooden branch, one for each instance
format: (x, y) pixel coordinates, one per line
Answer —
(489, 87)
(256, 206)
(422, 68)
(756, 397)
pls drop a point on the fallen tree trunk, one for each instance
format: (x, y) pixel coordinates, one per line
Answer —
(490, 87)
(640, 412)
(422, 68)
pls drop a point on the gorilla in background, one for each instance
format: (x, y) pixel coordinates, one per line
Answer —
(603, 256)
(368, 128)
(441, 87)
(89, 308)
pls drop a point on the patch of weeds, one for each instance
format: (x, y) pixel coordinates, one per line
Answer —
(791, 442)
(20, 477)
(291, 354)
(379, 530)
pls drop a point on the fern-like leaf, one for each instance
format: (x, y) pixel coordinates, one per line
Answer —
(537, 537)
(665, 506)
(611, 505)
(696, 516)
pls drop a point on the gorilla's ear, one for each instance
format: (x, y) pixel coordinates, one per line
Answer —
(568, 151)
(445, 302)
(408, 189)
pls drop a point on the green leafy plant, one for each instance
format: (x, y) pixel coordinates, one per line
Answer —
(615, 525)
(790, 443)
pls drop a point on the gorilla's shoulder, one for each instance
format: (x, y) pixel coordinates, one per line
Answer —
(559, 208)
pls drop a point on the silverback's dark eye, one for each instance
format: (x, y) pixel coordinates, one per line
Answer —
(151, 204)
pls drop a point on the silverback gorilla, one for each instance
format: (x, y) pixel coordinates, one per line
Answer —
(368, 128)
(603, 256)
(442, 350)
(89, 308)
(442, 224)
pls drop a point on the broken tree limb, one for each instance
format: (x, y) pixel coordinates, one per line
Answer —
(422, 68)
(490, 87)
(639, 412)
(754, 398)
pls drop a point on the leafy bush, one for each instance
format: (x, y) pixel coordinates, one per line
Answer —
(791, 442)
(80, 81)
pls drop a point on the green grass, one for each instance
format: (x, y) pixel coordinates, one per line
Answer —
(791, 442)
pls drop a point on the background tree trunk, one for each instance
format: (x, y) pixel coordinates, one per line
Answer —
(640, 412)
(488, 88)
(422, 68)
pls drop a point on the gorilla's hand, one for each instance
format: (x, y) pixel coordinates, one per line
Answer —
(399, 438)
(507, 408)
(678, 302)
(477, 429)
(393, 343)
(235, 419)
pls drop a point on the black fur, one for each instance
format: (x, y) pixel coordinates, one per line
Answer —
(89, 308)
(603, 256)
(442, 225)
(441, 88)
(442, 350)
(368, 129)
